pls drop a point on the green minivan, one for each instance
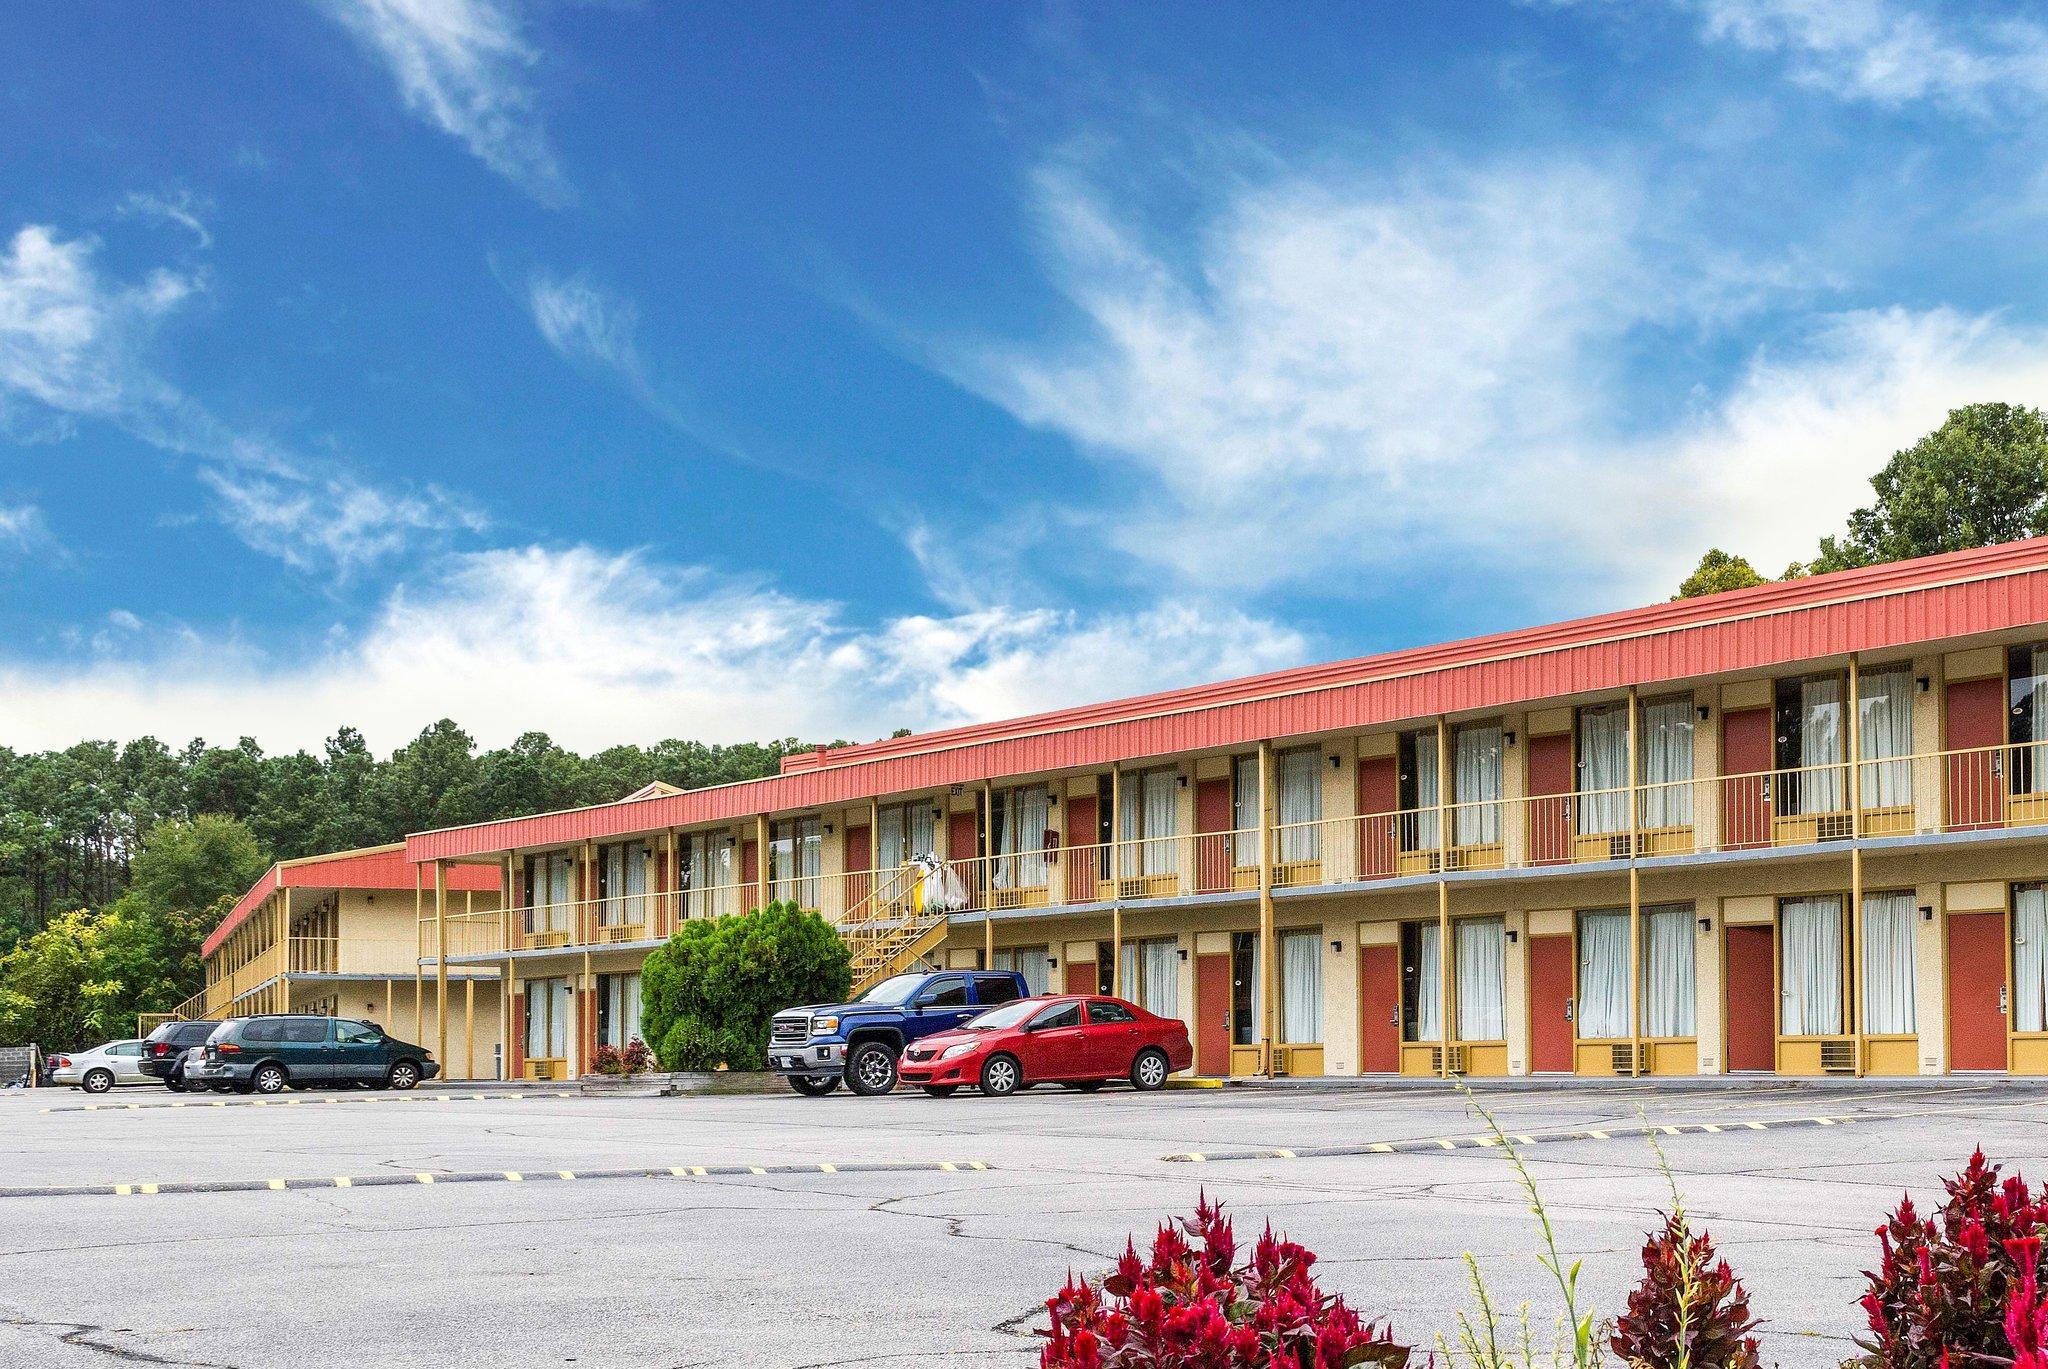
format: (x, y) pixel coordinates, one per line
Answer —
(264, 1054)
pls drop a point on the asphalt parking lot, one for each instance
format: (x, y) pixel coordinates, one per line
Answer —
(537, 1228)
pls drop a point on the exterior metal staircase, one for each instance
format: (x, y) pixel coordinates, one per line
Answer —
(890, 931)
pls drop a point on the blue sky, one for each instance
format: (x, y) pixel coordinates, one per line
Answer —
(627, 371)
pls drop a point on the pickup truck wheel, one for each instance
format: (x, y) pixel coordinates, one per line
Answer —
(942, 1090)
(404, 1075)
(871, 1069)
(1149, 1070)
(1001, 1076)
(97, 1081)
(814, 1086)
(268, 1079)
(176, 1083)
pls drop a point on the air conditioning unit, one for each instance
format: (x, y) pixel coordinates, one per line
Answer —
(1838, 1057)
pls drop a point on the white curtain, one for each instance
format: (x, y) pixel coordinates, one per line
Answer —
(639, 857)
(2032, 778)
(1429, 986)
(1812, 972)
(612, 911)
(1160, 978)
(1477, 945)
(1149, 821)
(1427, 791)
(1301, 987)
(547, 1019)
(1888, 963)
(2030, 957)
(1603, 770)
(1020, 839)
(1476, 786)
(1603, 975)
(1670, 998)
(621, 1008)
(1884, 733)
(561, 893)
(890, 851)
(1244, 810)
(1820, 745)
(1029, 961)
(1301, 804)
(1665, 729)
(707, 870)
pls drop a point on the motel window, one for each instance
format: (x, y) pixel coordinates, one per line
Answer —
(1418, 785)
(547, 1018)
(1476, 784)
(1664, 728)
(1151, 974)
(1150, 817)
(1810, 965)
(623, 870)
(1889, 964)
(1033, 962)
(1020, 826)
(796, 854)
(905, 831)
(1603, 1004)
(706, 873)
(1246, 993)
(1884, 735)
(1602, 779)
(1244, 811)
(1670, 970)
(1810, 745)
(2030, 957)
(1301, 986)
(1300, 814)
(618, 1008)
(1422, 983)
(1478, 960)
(550, 891)
(2027, 669)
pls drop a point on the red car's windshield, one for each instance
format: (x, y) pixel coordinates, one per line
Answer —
(1009, 1015)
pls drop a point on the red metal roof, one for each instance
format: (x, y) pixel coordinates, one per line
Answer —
(384, 867)
(1931, 599)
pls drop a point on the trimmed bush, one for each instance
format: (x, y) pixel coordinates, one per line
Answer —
(725, 978)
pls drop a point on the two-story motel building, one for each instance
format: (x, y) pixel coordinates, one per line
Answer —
(1801, 828)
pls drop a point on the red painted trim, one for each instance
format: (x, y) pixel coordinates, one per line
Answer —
(1910, 603)
(376, 870)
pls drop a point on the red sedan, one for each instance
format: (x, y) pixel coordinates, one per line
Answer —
(1080, 1040)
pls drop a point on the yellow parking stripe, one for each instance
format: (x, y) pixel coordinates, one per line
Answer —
(277, 1184)
(342, 1181)
(514, 1176)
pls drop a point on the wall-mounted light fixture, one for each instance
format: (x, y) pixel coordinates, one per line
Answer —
(1923, 683)
(1927, 912)
(828, 829)
(1052, 800)
(1706, 924)
(1337, 947)
(1512, 935)
(938, 813)
(1705, 713)
(1183, 953)
(1052, 962)
(1336, 762)
(1181, 779)
(1508, 737)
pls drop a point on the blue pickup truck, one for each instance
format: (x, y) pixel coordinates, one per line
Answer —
(818, 1046)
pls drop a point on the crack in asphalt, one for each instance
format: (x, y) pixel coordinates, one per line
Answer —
(80, 1335)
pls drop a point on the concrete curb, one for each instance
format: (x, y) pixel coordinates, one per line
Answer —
(427, 1178)
(1487, 1141)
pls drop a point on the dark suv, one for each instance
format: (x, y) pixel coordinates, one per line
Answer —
(163, 1051)
(263, 1054)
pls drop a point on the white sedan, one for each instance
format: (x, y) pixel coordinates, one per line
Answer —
(102, 1067)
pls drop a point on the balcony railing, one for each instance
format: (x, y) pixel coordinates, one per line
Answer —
(1969, 790)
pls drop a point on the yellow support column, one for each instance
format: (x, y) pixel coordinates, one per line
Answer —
(469, 1028)
(1443, 897)
(1854, 975)
(1116, 879)
(1268, 980)
(284, 948)
(441, 962)
(1635, 897)
(419, 991)
(760, 860)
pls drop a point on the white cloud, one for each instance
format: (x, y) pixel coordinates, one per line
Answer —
(598, 648)
(462, 65)
(76, 345)
(22, 527)
(586, 323)
(178, 206)
(1392, 384)
(1889, 52)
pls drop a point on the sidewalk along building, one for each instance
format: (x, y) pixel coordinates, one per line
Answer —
(1797, 829)
(345, 935)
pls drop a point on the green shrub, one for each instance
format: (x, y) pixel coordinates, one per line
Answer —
(729, 976)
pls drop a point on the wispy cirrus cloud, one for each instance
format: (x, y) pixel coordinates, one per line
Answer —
(176, 205)
(587, 324)
(646, 649)
(464, 67)
(77, 346)
(22, 528)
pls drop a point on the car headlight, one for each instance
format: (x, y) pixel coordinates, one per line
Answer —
(959, 1049)
(824, 1024)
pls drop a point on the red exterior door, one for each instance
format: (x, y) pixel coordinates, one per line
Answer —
(1084, 854)
(750, 874)
(1212, 849)
(860, 855)
(1748, 751)
(1976, 781)
(1550, 808)
(1550, 1002)
(1752, 999)
(963, 846)
(1080, 976)
(1379, 794)
(1212, 1013)
(1379, 1009)
(1976, 991)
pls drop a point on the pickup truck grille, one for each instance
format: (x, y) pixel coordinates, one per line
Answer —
(786, 1030)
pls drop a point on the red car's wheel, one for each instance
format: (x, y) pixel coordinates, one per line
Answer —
(1149, 1070)
(1001, 1076)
